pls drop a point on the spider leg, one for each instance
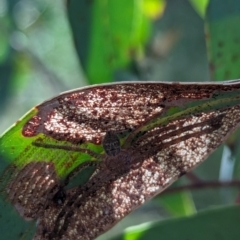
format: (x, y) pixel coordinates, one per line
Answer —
(68, 148)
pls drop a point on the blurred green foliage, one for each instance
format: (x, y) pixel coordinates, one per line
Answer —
(223, 39)
(42, 43)
(197, 227)
(200, 6)
(109, 44)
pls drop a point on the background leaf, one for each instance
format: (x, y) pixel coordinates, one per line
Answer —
(218, 223)
(200, 6)
(113, 41)
(223, 39)
(178, 204)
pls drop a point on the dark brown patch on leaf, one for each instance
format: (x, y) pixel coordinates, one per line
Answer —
(86, 115)
(31, 128)
(32, 187)
(124, 178)
(116, 190)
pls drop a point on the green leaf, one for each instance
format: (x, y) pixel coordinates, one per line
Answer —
(154, 8)
(223, 39)
(105, 40)
(4, 47)
(213, 224)
(14, 146)
(165, 130)
(178, 204)
(200, 6)
(12, 225)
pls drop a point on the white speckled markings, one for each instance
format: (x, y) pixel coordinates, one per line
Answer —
(31, 188)
(141, 136)
(117, 198)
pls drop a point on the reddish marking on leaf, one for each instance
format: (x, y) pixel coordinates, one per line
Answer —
(128, 177)
(31, 188)
(30, 129)
(86, 115)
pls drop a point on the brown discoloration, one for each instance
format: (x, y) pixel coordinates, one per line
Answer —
(124, 178)
(101, 206)
(32, 187)
(86, 115)
(31, 128)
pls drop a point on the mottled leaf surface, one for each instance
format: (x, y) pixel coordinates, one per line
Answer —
(223, 39)
(139, 136)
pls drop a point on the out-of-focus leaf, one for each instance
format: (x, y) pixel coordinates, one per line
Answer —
(11, 66)
(4, 46)
(11, 224)
(208, 171)
(5, 81)
(21, 70)
(154, 8)
(200, 6)
(178, 204)
(212, 224)
(108, 35)
(6, 66)
(233, 143)
(14, 74)
(223, 39)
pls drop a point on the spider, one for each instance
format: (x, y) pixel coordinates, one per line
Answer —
(115, 163)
